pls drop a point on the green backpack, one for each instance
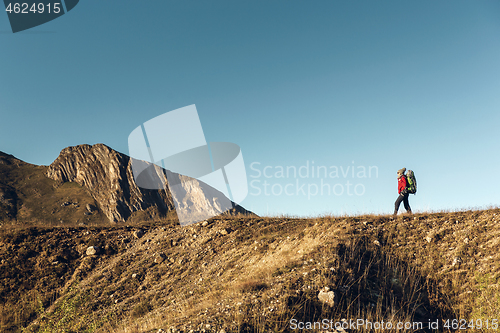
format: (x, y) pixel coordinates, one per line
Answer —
(411, 185)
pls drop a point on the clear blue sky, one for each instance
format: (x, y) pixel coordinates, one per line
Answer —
(387, 84)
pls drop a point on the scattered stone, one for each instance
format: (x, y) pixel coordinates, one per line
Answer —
(456, 261)
(431, 237)
(224, 231)
(135, 275)
(466, 240)
(204, 223)
(90, 208)
(66, 203)
(376, 242)
(92, 250)
(160, 258)
(327, 296)
(138, 233)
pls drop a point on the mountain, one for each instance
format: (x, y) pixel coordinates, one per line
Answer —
(93, 184)
(107, 175)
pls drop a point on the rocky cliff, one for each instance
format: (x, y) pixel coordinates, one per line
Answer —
(108, 176)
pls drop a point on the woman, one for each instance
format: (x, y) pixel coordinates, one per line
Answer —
(403, 193)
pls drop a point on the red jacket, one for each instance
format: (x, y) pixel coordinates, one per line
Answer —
(401, 183)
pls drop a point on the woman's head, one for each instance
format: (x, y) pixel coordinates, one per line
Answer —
(401, 172)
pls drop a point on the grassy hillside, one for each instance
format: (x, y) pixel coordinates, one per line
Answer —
(27, 197)
(246, 274)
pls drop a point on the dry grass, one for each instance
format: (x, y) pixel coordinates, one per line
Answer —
(257, 278)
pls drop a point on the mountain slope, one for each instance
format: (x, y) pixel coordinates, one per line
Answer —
(27, 196)
(252, 274)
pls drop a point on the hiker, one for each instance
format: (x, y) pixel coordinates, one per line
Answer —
(403, 193)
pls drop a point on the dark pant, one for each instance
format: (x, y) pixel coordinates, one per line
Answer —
(404, 199)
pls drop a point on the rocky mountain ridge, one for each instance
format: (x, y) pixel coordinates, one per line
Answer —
(107, 174)
(95, 176)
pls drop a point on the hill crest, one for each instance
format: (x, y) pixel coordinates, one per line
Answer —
(252, 274)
